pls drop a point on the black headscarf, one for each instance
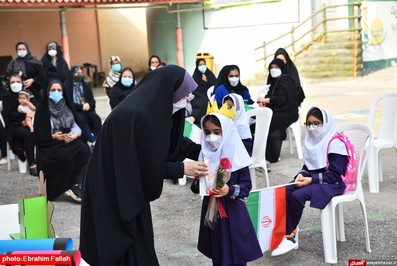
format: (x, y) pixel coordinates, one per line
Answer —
(284, 81)
(222, 76)
(62, 113)
(60, 70)
(17, 65)
(240, 87)
(197, 76)
(120, 85)
(128, 165)
(292, 71)
(150, 59)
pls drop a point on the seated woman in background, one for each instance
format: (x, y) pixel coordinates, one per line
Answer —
(62, 154)
(20, 138)
(292, 71)
(123, 87)
(84, 103)
(241, 120)
(204, 79)
(232, 85)
(154, 62)
(282, 98)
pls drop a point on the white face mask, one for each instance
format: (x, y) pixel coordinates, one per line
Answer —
(275, 72)
(153, 68)
(52, 53)
(314, 132)
(179, 105)
(16, 87)
(22, 53)
(234, 81)
(213, 141)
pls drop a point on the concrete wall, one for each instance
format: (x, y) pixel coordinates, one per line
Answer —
(38, 28)
(93, 35)
(122, 32)
(228, 45)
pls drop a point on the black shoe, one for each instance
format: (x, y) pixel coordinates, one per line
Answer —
(75, 193)
(33, 171)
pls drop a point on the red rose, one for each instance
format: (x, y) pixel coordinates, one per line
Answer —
(225, 163)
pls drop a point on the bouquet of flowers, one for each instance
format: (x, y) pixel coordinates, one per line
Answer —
(215, 207)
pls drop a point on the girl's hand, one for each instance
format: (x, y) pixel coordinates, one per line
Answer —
(221, 192)
(204, 78)
(303, 180)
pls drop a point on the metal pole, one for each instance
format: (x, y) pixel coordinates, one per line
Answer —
(179, 40)
(64, 37)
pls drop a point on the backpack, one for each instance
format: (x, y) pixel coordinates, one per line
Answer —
(349, 178)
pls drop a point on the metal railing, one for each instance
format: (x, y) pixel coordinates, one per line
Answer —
(354, 19)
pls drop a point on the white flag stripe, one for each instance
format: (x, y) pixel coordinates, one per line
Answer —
(266, 218)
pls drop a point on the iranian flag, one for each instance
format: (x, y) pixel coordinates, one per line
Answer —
(267, 209)
(192, 131)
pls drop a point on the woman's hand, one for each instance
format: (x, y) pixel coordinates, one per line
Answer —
(70, 137)
(262, 101)
(193, 168)
(58, 136)
(204, 78)
(190, 118)
(303, 180)
(220, 192)
(86, 107)
(27, 83)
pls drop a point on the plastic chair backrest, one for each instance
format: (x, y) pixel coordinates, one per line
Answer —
(263, 117)
(360, 135)
(388, 126)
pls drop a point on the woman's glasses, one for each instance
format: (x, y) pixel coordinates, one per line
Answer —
(314, 124)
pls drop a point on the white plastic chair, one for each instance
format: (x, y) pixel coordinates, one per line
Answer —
(263, 117)
(332, 221)
(387, 136)
(210, 91)
(295, 129)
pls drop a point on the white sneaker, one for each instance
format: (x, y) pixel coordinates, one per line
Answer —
(3, 161)
(285, 246)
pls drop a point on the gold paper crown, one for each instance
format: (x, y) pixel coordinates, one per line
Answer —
(224, 110)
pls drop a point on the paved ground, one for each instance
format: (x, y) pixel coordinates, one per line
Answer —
(176, 213)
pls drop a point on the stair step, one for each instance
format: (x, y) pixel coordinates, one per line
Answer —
(328, 67)
(336, 45)
(349, 37)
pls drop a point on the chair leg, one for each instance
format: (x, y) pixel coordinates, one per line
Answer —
(297, 137)
(380, 167)
(373, 178)
(364, 211)
(329, 236)
(253, 178)
(289, 133)
(340, 223)
(266, 174)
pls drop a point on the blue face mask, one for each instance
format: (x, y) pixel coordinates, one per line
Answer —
(127, 81)
(116, 67)
(56, 96)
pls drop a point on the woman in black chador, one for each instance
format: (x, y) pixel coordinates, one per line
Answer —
(140, 143)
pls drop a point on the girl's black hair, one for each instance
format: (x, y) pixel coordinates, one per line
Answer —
(213, 119)
(316, 112)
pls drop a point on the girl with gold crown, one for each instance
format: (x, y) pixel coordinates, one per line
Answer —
(226, 232)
